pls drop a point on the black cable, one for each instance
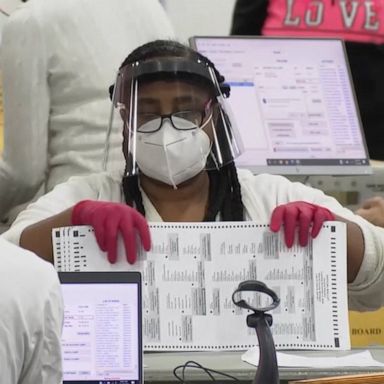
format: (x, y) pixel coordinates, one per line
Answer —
(188, 365)
(193, 364)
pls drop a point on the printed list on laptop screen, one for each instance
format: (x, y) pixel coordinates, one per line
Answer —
(100, 340)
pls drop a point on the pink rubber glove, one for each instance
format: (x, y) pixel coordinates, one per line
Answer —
(110, 219)
(299, 214)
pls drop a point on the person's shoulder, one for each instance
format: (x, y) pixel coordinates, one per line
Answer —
(25, 267)
(25, 21)
(21, 15)
(264, 185)
(97, 176)
(100, 185)
(31, 301)
(96, 179)
(42, 11)
(246, 176)
(13, 254)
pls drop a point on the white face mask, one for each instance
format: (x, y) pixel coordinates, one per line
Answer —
(171, 155)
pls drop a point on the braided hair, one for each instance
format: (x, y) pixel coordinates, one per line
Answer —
(224, 187)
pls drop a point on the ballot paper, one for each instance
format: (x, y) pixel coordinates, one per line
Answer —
(300, 360)
(193, 268)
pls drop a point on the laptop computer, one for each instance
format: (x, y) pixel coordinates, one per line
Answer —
(102, 333)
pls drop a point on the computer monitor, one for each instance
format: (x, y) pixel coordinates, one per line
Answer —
(293, 103)
(102, 333)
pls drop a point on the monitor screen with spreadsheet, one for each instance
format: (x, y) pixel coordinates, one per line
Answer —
(293, 103)
(102, 333)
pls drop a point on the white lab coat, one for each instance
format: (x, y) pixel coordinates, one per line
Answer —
(260, 195)
(58, 60)
(31, 319)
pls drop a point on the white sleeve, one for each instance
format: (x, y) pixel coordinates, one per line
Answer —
(44, 361)
(367, 291)
(93, 187)
(26, 110)
(158, 24)
(31, 320)
(262, 193)
(62, 197)
(53, 325)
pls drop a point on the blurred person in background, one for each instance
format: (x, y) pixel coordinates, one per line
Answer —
(57, 60)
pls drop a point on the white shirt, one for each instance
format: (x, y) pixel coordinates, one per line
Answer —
(31, 318)
(260, 195)
(58, 60)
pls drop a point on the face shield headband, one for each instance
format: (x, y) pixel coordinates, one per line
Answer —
(205, 134)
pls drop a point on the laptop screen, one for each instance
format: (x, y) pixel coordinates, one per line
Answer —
(102, 339)
(293, 102)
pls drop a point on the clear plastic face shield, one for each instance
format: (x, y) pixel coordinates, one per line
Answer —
(174, 120)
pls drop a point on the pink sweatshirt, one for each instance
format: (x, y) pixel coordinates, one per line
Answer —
(353, 20)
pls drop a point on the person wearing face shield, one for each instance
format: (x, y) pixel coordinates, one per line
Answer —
(180, 142)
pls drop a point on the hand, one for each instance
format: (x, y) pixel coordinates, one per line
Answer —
(299, 214)
(108, 220)
(373, 211)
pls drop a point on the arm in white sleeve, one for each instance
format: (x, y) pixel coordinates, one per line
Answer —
(63, 196)
(262, 193)
(366, 292)
(31, 318)
(54, 319)
(26, 110)
(44, 362)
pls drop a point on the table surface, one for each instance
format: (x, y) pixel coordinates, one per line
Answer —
(158, 366)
